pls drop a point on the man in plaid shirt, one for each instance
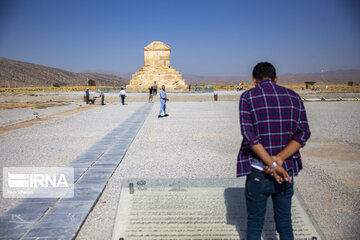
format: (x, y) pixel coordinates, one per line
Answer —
(274, 127)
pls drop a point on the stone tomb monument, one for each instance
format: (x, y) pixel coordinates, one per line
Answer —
(157, 68)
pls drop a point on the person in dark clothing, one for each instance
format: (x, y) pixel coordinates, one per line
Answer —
(87, 94)
(155, 88)
(102, 95)
(151, 90)
(274, 127)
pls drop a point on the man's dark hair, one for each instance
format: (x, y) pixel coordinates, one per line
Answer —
(264, 70)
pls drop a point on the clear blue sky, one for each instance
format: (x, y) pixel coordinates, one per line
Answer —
(206, 37)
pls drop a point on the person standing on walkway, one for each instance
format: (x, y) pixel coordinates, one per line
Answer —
(151, 89)
(155, 88)
(102, 96)
(122, 95)
(274, 127)
(163, 100)
(87, 94)
(196, 88)
(189, 87)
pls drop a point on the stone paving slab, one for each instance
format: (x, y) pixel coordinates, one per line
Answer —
(56, 218)
(196, 209)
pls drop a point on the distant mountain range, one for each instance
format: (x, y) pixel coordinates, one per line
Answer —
(329, 78)
(23, 74)
(125, 75)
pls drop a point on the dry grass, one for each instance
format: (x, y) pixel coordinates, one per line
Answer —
(231, 88)
(34, 105)
(331, 88)
(43, 119)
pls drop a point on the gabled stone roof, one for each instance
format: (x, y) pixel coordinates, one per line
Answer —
(157, 46)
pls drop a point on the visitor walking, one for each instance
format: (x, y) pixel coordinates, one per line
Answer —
(274, 127)
(163, 100)
(122, 95)
(189, 87)
(196, 88)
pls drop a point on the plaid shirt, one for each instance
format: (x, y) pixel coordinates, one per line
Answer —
(273, 116)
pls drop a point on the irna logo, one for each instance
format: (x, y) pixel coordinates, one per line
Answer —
(17, 180)
(38, 182)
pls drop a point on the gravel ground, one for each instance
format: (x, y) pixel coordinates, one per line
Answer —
(334, 121)
(200, 140)
(57, 142)
(330, 182)
(11, 116)
(197, 140)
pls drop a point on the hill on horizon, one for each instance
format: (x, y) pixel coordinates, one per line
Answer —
(23, 74)
(330, 78)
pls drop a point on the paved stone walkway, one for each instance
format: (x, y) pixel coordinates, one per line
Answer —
(61, 218)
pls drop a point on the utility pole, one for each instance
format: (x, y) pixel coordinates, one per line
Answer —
(322, 79)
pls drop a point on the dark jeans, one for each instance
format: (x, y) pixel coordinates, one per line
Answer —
(123, 99)
(259, 186)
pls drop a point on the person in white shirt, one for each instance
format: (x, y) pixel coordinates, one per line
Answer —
(163, 100)
(122, 95)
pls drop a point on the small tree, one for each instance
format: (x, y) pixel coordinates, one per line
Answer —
(56, 85)
(350, 83)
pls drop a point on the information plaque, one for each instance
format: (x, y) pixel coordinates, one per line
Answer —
(177, 209)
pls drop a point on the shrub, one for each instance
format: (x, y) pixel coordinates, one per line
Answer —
(350, 83)
(56, 85)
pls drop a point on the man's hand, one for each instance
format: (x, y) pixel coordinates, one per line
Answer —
(278, 160)
(274, 174)
(284, 176)
(278, 172)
